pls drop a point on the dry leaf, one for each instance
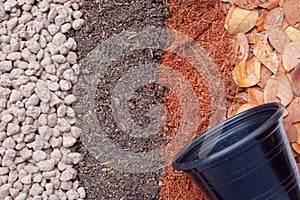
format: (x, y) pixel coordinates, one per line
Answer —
(244, 107)
(285, 113)
(248, 73)
(293, 33)
(264, 53)
(240, 20)
(274, 18)
(255, 96)
(265, 75)
(291, 9)
(247, 4)
(292, 134)
(270, 4)
(278, 38)
(270, 91)
(296, 147)
(241, 47)
(291, 56)
(294, 112)
(285, 90)
(259, 22)
(295, 77)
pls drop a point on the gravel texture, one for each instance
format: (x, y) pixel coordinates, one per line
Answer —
(38, 67)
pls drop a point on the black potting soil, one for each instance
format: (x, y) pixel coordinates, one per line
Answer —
(104, 19)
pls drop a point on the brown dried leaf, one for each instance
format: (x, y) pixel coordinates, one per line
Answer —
(244, 107)
(270, 4)
(241, 47)
(255, 96)
(297, 127)
(271, 89)
(292, 134)
(285, 90)
(265, 75)
(264, 53)
(248, 73)
(274, 18)
(291, 9)
(278, 38)
(293, 33)
(247, 4)
(291, 56)
(294, 112)
(240, 20)
(295, 77)
(259, 22)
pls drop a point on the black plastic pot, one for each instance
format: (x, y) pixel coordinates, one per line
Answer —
(245, 157)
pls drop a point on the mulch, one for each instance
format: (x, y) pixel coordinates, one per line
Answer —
(202, 21)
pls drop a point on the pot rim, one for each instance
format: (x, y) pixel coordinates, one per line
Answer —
(203, 162)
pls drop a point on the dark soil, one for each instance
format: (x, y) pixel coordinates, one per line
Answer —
(103, 20)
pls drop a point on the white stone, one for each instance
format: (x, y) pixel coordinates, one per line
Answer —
(5, 66)
(52, 14)
(21, 196)
(12, 23)
(39, 155)
(42, 41)
(14, 56)
(44, 6)
(25, 17)
(56, 155)
(81, 192)
(65, 85)
(68, 100)
(31, 169)
(26, 154)
(36, 189)
(61, 110)
(32, 101)
(52, 120)
(26, 179)
(33, 46)
(58, 59)
(59, 39)
(50, 69)
(46, 165)
(76, 14)
(28, 56)
(76, 157)
(33, 111)
(55, 100)
(43, 121)
(53, 86)
(53, 29)
(43, 93)
(38, 26)
(65, 27)
(77, 24)
(15, 96)
(70, 112)
(37, 178)
(72, 194)
(68, 141)
(4, 190)
(60, 20)
(12, 129)
(4, 92)
(27, 89)
(13, 192)
(9, 143)
(45, 132)
(66, 185)
(3, 171)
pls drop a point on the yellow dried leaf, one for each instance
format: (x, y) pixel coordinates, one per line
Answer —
(240, 20)
(274, 18)
(248, 73)
(278, 38)
(259, 22)
(271, 88)
(285, 90)
(264, 53)
(255, 96)
(244, 107)
(285, 113)
(291, 9)
(241, 47)
(293, 33)
(291, 56)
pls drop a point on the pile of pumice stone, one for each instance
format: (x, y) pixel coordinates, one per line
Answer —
(38, 67)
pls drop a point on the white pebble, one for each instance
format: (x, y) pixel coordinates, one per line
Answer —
(9, 143)
(12, 129)
(53, 29)
(33, 46)
(65, 27)
(36, 189)
(46, 165)
(58, 59)
(68, 141)
(39, 155)
(77, 24)
(65, 85)
(6, 66)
